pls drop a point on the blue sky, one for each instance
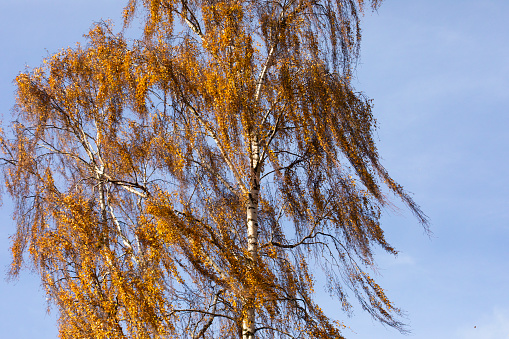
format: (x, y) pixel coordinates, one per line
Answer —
(438, 71)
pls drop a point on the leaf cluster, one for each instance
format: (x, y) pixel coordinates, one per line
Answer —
(133, 165)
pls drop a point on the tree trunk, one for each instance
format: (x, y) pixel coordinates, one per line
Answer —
(248, 323)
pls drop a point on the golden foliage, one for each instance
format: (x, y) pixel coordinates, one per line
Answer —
(182, 184)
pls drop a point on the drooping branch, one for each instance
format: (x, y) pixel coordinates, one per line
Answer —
(193, 22)
(224, 154)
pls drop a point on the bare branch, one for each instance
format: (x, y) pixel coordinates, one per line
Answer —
(211, 319)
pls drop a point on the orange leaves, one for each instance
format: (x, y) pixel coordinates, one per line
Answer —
(189, 177)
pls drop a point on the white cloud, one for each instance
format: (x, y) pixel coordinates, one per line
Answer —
(488, 326)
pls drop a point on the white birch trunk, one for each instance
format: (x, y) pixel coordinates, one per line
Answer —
(248, 323)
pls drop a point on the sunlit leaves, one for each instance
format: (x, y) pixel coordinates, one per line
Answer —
(184, 184)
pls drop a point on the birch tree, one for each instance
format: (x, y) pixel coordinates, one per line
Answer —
(188, 184)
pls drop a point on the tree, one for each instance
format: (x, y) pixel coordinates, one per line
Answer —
(184, 184)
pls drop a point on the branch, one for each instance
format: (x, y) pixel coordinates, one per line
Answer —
(195, 26)
(273, 329)
(301, 242)
(213, 135)
(129, 186)
(217, 175)
(263, 73)
(125, 241)
(7, 161)
(208, 259)
(272, 134)
(270, 55)
(50, 147)
(211, 319)
(292, 164)
(190, 310)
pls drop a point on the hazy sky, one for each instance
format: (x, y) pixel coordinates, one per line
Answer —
(438, 71)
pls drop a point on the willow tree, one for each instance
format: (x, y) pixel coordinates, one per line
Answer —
(187, 183)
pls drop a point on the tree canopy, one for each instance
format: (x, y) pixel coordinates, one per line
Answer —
(185, 184)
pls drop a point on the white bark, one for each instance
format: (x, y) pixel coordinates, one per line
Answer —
(248, 323)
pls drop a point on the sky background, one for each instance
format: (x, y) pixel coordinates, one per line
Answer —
(438, 71)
